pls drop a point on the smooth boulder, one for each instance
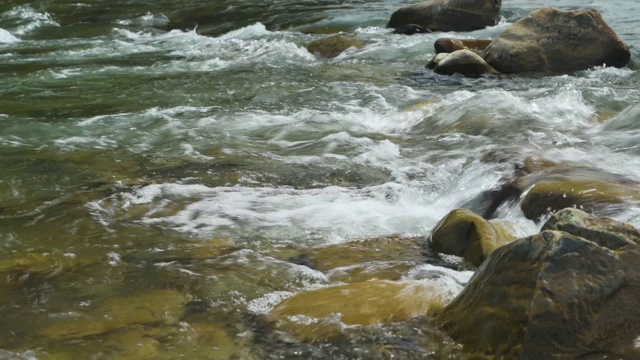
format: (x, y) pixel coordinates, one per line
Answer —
(552, 41)
(464, 62)
(555, 295)
(466, 234)
(448, 15)
(321, 314)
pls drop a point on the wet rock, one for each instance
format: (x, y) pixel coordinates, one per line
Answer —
(436, 60)
(466, 234)
(464, 62)
(152, 307)
(387, 258)
(591, 195)
(448, 15)
(16, 270)
(320, 314)
(551, 41)
(333, 46)
(411, 29)
(449, 45)
(554, 295)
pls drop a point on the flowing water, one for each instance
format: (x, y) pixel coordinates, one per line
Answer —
(179, 151)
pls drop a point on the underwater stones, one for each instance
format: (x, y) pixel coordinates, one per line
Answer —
(464, 62)
(554, 295)
(379, 258)
(333, 46)
(448, 15)
(466, 234)
(551, 41)
(449, 45)
(318, 314)
(152, 307)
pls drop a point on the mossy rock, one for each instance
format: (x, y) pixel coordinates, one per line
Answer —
(152, 307)
(380, 258)
(555, 295)
(13, 271)
(320, 314)
(465, 233)
(333, 46)
(546, 197)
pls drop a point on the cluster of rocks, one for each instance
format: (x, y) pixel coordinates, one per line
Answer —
(572, 290)
(547, 41)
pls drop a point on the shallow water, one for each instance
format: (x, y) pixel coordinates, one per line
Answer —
(194, 147)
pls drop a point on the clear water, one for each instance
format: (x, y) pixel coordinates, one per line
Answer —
(132, 133)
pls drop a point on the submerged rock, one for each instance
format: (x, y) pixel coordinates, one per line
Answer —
(384, 258)
(320, 314)
(152, 307)
(551, 41)
(449, 45)
(464, 62)
(554, 295)
(466, 234)
(448, 15)
(333, 46)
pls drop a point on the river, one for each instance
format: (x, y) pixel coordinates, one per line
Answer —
(136, 136)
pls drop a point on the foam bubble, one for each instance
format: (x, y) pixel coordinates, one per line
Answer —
(7, 37)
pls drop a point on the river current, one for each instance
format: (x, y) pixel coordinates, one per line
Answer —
(134, 134)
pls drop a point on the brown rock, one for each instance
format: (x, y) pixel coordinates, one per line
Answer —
(449, 45)
(464, 62)
(466, 234)
(333, 46)
(551, 41)
(448, 15)
(553, 295)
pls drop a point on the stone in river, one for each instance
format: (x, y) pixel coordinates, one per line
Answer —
(466, 234)
(151, 307)
(333, 46)
(552, 41)
(464, 62)
(449, 45)
(320, 314)
(448, 15)
(570, 291)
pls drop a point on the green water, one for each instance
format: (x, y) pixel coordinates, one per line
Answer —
(178, 156)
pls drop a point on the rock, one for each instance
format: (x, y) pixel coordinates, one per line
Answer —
(591, 195)
(320, 314)
(152, 307)
(554, 295)
(411, 29)
(449, 45)
(333, 46)
(551, 41)
(436, 60)
(466, 234)
(464, 62)
(387, 258)
(448, 15)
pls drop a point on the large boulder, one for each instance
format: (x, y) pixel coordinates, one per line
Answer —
(555, 295)
(448, 15)
(551, 41)
(464, 62)
(466, 234)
